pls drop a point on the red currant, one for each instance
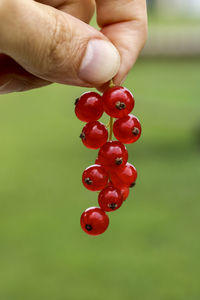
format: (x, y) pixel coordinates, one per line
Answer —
(113, 154)
(125, 176)
(94, 221)
(97, 161)
(124, 192)
(95, 178)
(118, 102)
(94, 135)
(89, 107)
(110, 198)
(127, 129)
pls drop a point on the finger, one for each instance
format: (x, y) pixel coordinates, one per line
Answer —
(81, 9)
(14, 78)
(126, 28)
(55, 46)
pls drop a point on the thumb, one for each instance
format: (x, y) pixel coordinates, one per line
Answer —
(55, 46)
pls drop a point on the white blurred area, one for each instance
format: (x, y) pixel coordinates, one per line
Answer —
(174, 28)
(185, 7)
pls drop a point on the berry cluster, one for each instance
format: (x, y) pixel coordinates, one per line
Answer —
(111, 174)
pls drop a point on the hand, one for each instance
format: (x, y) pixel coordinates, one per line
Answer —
(50, 41)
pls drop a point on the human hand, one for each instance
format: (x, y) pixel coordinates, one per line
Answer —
(49, 41)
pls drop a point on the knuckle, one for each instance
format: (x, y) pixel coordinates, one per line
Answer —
(59, 39)
(64, 49)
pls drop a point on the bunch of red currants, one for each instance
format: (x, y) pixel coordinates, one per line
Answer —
(111, 174)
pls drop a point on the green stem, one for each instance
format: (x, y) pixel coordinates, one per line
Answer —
(111, 119)
(111, 84)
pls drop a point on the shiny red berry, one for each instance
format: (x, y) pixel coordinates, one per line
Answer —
(124, 192)
(95, 178)
(112, 155)
(127, 129)
(94, 135)
(110, 198)
(89, 107)
(97, 161)
(125, 176)
(118, 101)
(94, 221)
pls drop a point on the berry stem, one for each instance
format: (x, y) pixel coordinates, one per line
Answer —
(111, 84)
(111, 129)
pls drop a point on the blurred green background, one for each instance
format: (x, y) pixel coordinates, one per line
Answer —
(151, 249)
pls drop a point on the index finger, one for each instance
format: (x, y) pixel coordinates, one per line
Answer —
(124, 22)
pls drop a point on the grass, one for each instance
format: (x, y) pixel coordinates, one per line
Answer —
(151, 250)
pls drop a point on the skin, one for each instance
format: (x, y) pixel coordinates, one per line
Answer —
(44, 41)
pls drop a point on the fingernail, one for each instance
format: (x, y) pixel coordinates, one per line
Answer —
(100, 63)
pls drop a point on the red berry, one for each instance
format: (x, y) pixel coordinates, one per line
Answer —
(127, 129)
(94, 221)
(118, 101)
(94, 135)
(89, 107)
(125, 176)
(113, 154)
(97, 161)
(110, 198)
(124, 192)
(95, 178)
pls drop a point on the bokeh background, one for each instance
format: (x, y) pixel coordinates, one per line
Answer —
(151, 249)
